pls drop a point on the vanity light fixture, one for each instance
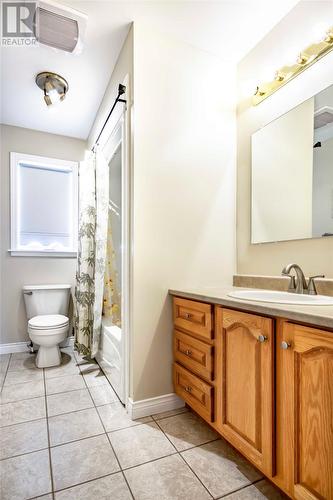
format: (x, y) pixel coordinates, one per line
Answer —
(305, 59)
(54, 86)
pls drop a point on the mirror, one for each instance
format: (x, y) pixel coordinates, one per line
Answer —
(292, 173)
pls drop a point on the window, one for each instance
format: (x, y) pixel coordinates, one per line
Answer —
(44, 206)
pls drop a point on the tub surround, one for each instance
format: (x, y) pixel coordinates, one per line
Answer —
(311, 315)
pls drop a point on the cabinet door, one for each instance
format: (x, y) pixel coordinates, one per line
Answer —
(247, 385)
(310, 392)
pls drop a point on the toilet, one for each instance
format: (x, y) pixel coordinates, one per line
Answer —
(48, 323)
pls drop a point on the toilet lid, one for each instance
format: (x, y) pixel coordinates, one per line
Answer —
(47, 321)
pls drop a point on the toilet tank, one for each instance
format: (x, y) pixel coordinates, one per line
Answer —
(46, 299)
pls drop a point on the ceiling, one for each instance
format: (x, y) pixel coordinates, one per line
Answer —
(228, 29)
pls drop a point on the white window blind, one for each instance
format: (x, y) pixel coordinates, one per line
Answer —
(43, 205)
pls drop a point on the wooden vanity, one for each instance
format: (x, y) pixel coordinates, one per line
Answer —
(266, 385)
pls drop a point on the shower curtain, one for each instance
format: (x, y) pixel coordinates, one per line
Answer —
(91, 262)
(111, 302)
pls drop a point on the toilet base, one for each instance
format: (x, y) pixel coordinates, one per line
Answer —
(48, 356)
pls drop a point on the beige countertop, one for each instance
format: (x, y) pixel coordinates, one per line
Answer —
(312, 315)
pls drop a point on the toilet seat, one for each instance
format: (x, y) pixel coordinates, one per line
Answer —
(48, 322)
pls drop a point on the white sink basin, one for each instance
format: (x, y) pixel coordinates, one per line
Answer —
(282, 297)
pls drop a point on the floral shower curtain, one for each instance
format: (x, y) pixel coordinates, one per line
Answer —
(111, 302)
(91, 263)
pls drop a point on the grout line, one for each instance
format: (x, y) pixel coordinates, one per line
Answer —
(241, 488)
(22, 454)
(6, 371)
(48, 438)
(108, 438)
(86, 482)
(156, 419)
(182, 458)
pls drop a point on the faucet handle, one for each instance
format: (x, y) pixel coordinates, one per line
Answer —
(292, 283)
(312, 285)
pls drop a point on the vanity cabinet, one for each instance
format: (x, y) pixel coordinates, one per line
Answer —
(305, 411)
(266, 385)
(247, 384)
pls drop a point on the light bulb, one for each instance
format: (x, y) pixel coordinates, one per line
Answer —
(54, 96)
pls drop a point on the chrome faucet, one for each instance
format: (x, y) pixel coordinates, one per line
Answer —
(299, 285)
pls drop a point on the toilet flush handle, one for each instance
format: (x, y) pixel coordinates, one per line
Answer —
(27, 293)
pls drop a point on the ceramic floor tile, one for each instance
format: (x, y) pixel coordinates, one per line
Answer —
(95, 378)
(64, 384)
(170, 413)
(81, 461)
(220, 468)
(73, 426)
(4, 361)
(108, 487)
(44, 497)
(25, 476)
(136, 445)
(21, 376)
(26, 363)
(115, 417)
(68, 366)
(103, 395)
(18, 392)
(165, 479)
(187, 430)
(23, 438)
(22, 411)
(21, 355)
(88, 367)
(259, 491)
(66, 402)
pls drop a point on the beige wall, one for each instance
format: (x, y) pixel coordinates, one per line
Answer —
(123, 68)
(17, 271)
(295, 30)
(184, 191)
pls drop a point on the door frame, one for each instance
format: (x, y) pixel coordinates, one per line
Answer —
(121, 123)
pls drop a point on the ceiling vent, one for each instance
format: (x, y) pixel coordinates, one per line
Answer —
(60, 27)
(323, 116)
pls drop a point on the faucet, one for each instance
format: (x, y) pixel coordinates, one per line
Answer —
(300, 285)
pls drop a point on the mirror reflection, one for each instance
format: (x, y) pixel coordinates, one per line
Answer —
(292, 173)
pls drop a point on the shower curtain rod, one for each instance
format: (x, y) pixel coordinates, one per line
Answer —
(121, 91)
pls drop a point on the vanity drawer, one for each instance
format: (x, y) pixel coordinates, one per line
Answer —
(195, 317)
(194, 354)
(194, 391)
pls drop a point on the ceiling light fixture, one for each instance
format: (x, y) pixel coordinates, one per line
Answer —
(54, 86)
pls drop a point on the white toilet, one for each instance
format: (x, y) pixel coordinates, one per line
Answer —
(47, 309)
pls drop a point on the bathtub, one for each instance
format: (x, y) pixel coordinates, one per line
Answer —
(111, 357)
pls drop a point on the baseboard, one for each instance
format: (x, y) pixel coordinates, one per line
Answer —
(23, 346)
(14, 347)
(151, 406)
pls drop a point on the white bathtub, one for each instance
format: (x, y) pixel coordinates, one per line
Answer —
(110, 356)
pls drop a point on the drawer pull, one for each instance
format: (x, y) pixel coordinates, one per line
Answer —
(188, 389)
(188, 315)
(188, 352)
(285, 345)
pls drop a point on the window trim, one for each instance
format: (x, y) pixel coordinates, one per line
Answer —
(52, 164)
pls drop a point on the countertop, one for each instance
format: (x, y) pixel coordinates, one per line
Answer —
(311, 315)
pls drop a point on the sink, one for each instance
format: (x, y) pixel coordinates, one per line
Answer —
(282, 297)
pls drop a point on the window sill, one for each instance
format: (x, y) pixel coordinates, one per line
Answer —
(45, 253)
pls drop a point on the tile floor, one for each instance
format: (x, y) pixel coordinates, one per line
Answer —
(65, 436)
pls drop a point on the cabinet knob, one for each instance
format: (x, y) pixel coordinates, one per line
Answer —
(188, 389)
(188, 315)
(188, 352)
(262, 338)
(285, 345)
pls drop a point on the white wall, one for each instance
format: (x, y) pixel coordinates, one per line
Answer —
(294, 32)
(17, 271)
(184, 191)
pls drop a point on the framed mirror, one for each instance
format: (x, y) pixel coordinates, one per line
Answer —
(292, 173)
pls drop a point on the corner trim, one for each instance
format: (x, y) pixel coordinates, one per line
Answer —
(151, 406)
